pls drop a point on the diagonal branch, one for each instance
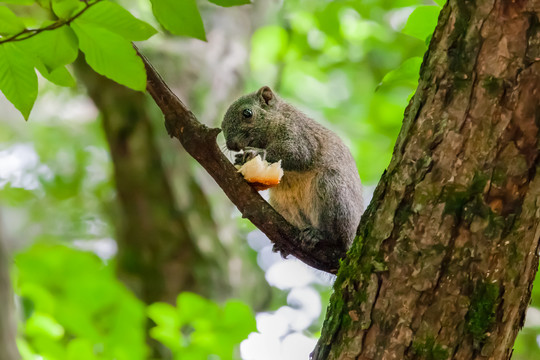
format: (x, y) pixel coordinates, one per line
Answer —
(200, 142)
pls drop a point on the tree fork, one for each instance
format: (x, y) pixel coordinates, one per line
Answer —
(448, 248)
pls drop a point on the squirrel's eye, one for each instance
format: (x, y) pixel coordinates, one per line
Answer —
(247, 113)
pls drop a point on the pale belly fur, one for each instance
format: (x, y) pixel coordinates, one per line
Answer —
(291, 198)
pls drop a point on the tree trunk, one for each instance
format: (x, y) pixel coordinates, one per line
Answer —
(446, 253)
(8, 350)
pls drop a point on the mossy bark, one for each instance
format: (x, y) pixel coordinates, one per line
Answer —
(447, 251)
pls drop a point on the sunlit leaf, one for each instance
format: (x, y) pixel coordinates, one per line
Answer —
(65, 9)
(115, 18)
(192, 306)
(179, 17)
(406, 73)
(81, 349)
(440, 2)
(18, 80)
(238, 319)
(163, 314)
(9, 22)
(54, 48)
(59, 76)
(43, 324)
(110, 55)
(89, 304)
(199, 329)
(268, 45)
(422, 21)
(228, 3)
(169, 337)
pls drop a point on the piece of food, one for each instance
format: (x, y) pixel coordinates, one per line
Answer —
(260, 173)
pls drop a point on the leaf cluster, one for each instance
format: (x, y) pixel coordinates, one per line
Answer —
(101, 29)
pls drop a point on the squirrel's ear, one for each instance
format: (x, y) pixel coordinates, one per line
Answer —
(266, 96)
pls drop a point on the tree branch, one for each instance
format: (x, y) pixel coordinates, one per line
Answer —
(200, 142)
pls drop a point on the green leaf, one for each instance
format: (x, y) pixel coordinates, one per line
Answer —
(9, 22)
(180, 17)
(229, 3)
(80, 349)
(407, 73)
(18, 79)
(440, 2)
(110, 55)
(192, 307)
(268, 45)
(422, 21)
(238, 320)
(54, 48)
(43, 324)
(65, 9)
(115, 18)
(163, 314)
(59, 76)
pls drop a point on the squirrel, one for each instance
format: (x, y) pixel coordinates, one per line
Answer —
(320, 192)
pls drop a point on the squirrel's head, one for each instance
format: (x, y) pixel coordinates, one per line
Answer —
(246, 121)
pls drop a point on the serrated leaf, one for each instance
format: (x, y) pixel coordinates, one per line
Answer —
(110, 55)
(9, 22)
(422, 21)
(65, 9)
(406, 73)
(179, 17)
(115, 18)
(229, 3)
(53, 48)
(18, 79)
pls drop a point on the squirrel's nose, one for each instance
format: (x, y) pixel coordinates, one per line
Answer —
(232, 145)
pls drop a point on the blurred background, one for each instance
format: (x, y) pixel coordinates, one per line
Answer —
(119, 246)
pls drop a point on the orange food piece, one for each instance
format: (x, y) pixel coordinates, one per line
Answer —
(261, 174)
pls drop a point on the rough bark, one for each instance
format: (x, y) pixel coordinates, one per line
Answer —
(448, 249)
(8, 349)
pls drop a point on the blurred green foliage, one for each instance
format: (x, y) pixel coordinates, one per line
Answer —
(75, 308)
(199, 329)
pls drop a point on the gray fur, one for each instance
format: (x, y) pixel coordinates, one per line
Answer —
(320, 191)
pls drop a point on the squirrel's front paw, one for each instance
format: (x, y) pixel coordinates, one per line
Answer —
(239, 159)
(248, 154)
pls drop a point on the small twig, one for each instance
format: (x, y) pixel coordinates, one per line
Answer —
(200, 142)
(56, 25)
